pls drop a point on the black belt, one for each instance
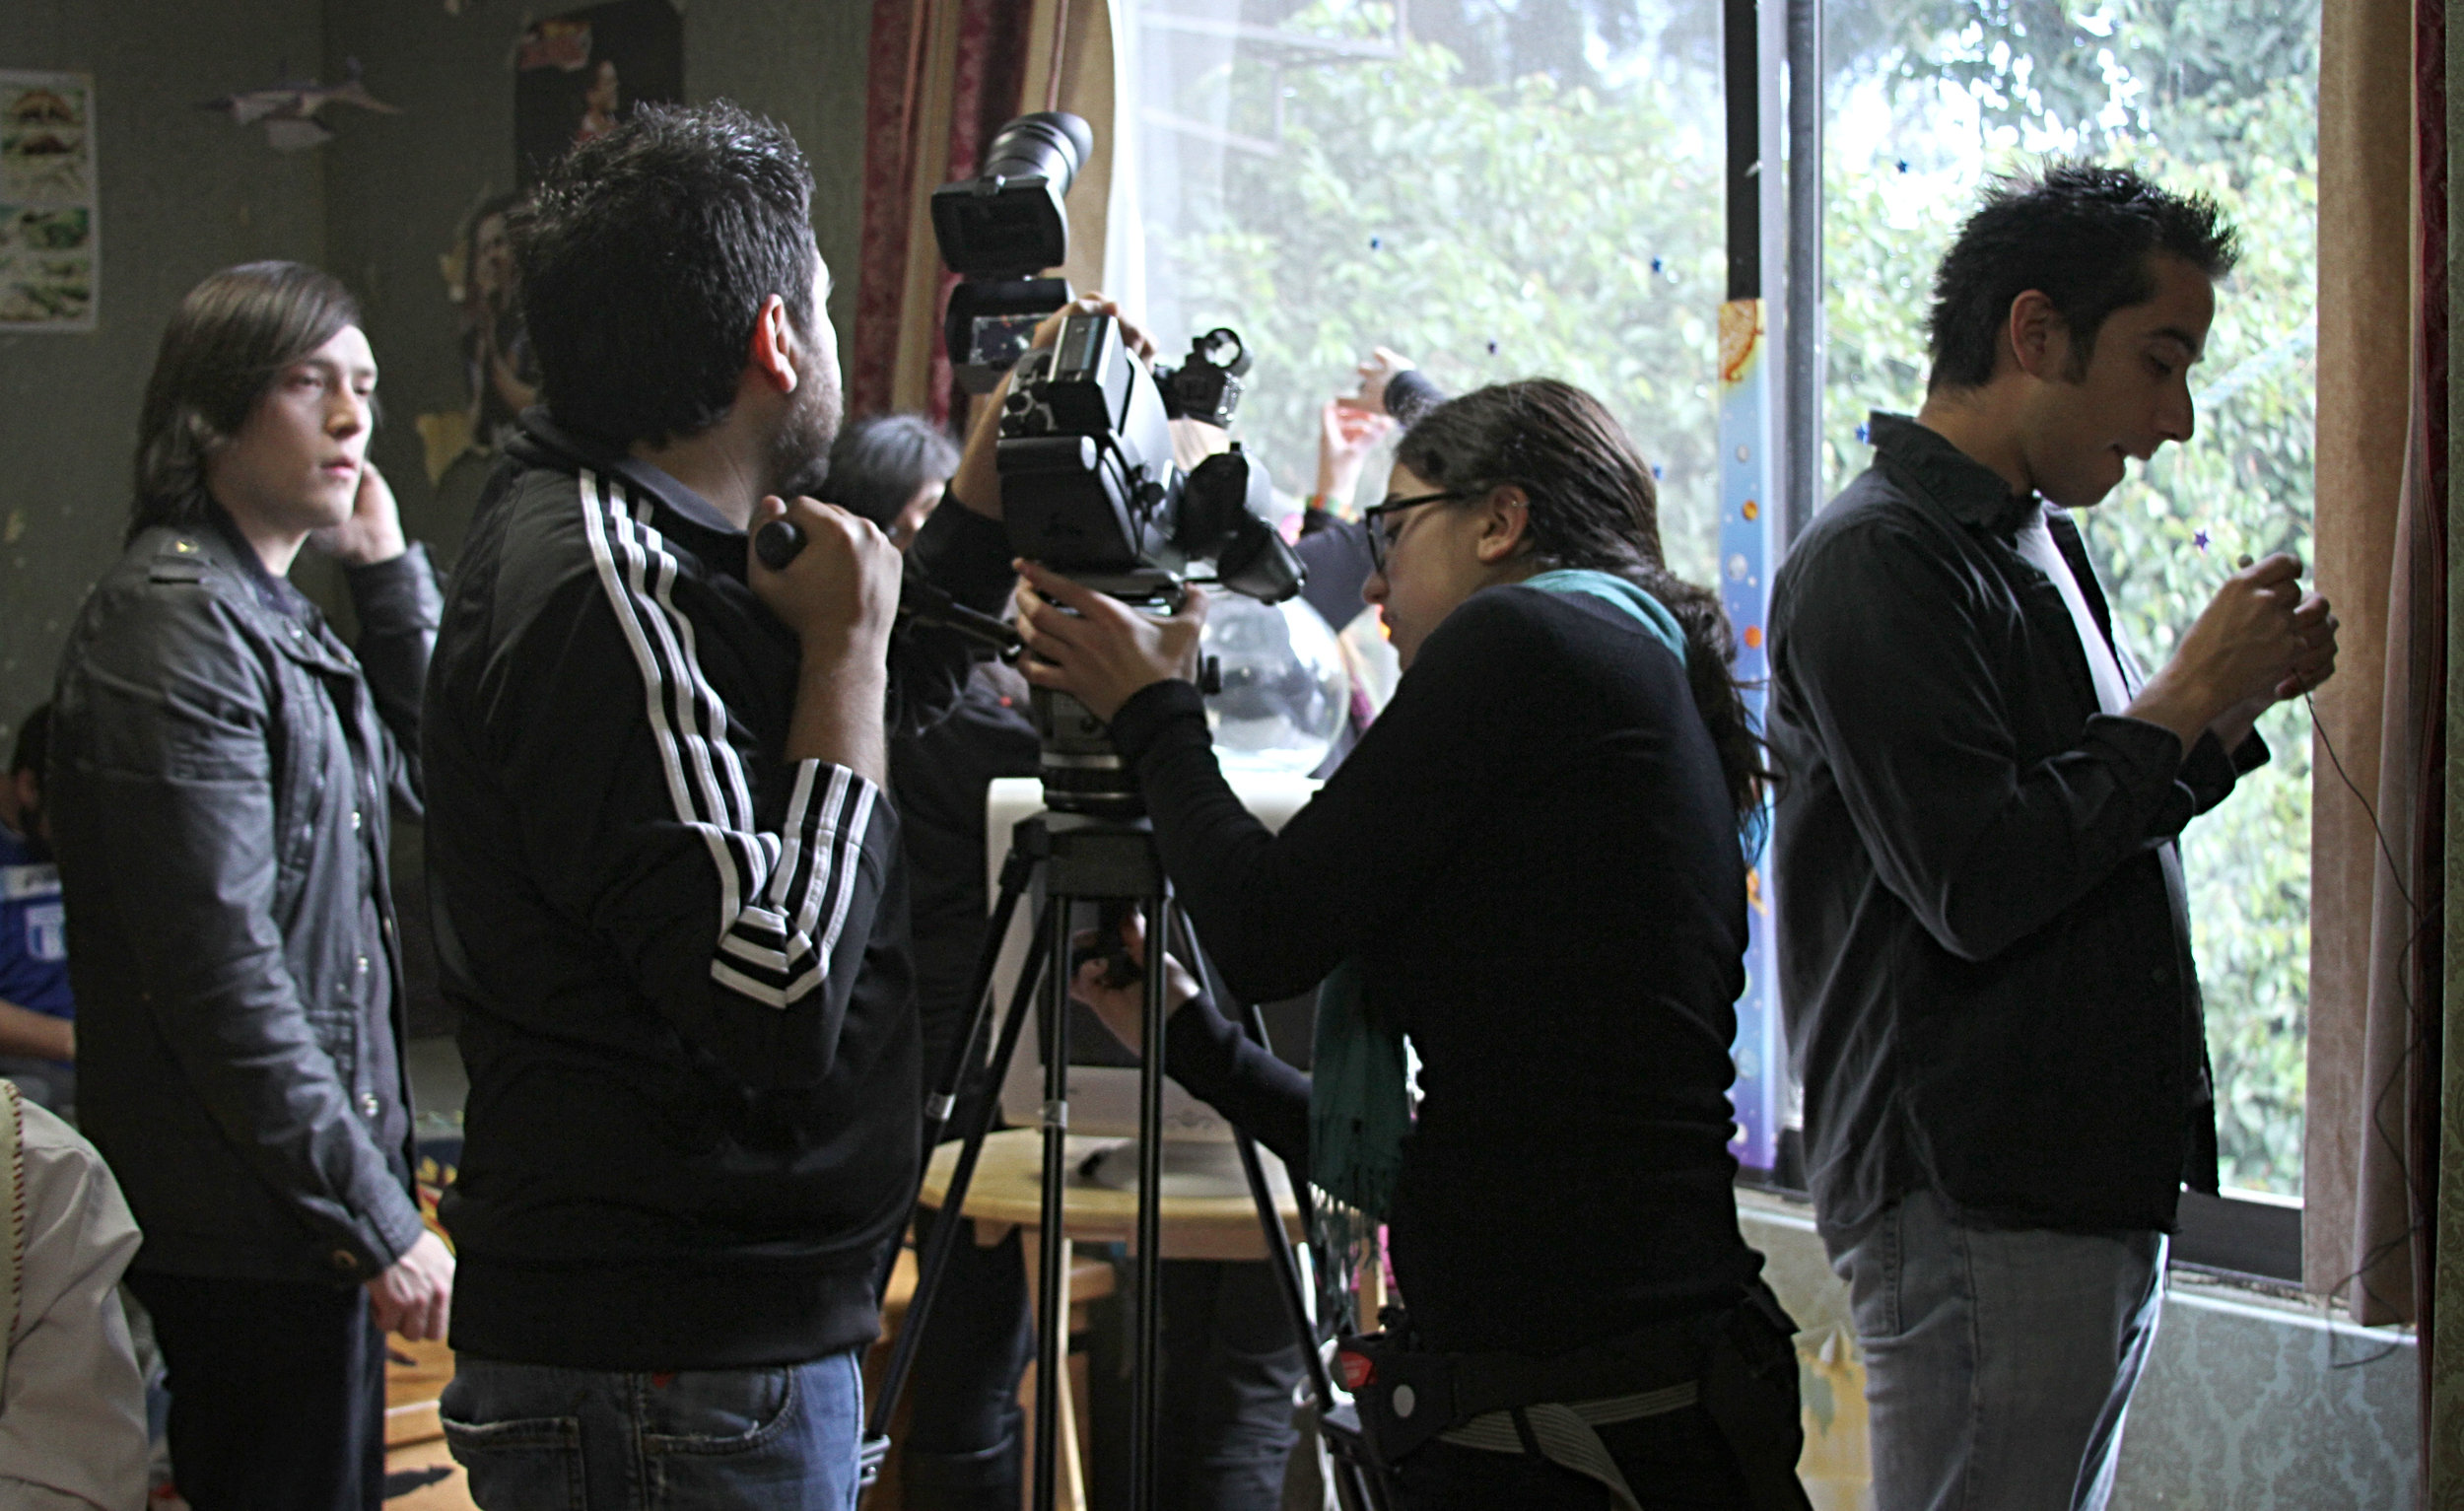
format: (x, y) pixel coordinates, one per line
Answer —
(1742, 1361)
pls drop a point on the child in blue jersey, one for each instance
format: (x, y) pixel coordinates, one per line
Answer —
(37, 1037)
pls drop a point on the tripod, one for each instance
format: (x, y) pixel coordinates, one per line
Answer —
(1099, 860)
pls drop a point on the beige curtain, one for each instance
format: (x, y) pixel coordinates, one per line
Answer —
(1074, 71)
(2366, 324)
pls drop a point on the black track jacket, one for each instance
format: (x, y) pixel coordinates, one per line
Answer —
(681, 964)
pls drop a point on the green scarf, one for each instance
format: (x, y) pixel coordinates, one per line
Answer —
(1754, 831)
(1647, 611)
(1359, 1102)
(1359, 1107)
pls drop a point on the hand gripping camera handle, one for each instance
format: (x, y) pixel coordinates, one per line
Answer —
(778, 543)
(919, 602)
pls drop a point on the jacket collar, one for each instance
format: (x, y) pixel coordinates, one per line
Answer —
(276, 595)
(542, 442)
(210, 551)
(1971, 492)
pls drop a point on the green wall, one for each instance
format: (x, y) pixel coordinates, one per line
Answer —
(185, 191)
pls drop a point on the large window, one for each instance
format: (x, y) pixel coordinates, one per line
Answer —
(1502, 187)
(1926, 99)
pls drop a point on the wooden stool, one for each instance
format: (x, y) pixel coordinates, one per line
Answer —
(1008, 1192)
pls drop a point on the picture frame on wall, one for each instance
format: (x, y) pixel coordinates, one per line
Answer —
(50, 248)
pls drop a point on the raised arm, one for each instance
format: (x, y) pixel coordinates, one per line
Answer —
(1879, 659)
(1279, 911)
(394, 592)
(738, 886)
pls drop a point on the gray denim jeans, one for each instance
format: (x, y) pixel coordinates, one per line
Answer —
(1999, 1362)
(539, 1438)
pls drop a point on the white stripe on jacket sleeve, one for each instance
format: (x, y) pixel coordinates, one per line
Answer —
(774, 889)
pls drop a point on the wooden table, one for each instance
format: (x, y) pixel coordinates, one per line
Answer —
(1008, 1192)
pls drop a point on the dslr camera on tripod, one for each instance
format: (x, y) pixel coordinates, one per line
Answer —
(1090, 487)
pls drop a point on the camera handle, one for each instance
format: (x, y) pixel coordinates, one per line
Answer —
(919, 602)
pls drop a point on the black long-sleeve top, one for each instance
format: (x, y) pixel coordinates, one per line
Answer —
(1533, 855)
(1984, 944)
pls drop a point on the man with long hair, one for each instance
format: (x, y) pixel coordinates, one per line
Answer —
(220, 768)
(1984, 947)
(670, 904)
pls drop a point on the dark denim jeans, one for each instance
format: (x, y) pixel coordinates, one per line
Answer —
(539, 1438)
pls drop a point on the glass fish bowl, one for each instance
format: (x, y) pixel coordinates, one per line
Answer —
(1285, 688)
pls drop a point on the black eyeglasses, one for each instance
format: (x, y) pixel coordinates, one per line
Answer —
(1380, 536)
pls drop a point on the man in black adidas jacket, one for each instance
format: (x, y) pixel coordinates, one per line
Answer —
(670, 905)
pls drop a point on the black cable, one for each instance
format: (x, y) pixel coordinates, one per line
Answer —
(2404, 1062)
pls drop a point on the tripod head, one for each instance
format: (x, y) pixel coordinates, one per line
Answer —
(1082, 773)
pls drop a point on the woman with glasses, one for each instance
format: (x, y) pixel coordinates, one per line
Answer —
(1531, 867)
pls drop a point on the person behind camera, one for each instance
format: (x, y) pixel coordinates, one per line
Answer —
(220, 770)
(669, 897)
(890, 469)
(1531, 868)
(1984, 943)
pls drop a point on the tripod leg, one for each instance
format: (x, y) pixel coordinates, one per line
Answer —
(1052, 1249)
(1017, 870)
(1144, 1471)
(951, 1081)
(936, 1259)
(1351, 1490)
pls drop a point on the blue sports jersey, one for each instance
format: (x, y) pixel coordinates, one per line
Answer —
(33, 932)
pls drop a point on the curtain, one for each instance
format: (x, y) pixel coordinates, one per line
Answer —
(2393, 1243)
(2442, 1335)
(2366, 350)
(2378, 1066)
(945, 75)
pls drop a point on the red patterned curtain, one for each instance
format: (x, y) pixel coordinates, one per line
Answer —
(944, 74)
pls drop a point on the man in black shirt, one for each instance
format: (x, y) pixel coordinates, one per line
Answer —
(1985, 949)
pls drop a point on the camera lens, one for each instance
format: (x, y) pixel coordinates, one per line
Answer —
(1051, 145)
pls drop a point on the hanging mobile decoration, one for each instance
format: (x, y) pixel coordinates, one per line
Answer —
(289, 107)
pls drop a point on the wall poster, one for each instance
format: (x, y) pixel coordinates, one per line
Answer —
(50, 255)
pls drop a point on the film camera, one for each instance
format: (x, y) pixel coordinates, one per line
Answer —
(999, 231)
(1088, 476)
(1090, 485)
